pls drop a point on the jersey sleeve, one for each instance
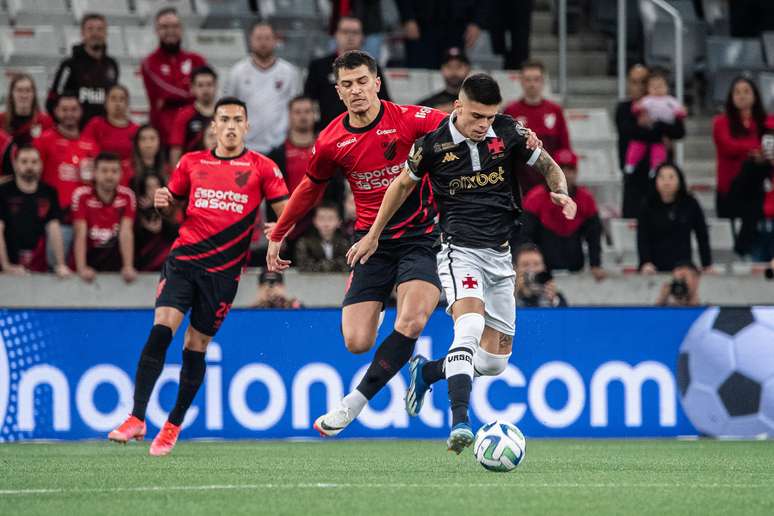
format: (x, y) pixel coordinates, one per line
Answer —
(273, 182)
(424, 119)
(131, 206)
(518, 142)
(321, 167)
(418, 159)
(180, 182)
(78, 207)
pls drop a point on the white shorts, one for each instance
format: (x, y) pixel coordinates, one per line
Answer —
(486, 274)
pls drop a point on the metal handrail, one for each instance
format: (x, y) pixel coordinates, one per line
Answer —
(563, 50)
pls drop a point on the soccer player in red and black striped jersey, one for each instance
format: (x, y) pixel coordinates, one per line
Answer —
(370, 143)
(224, 188)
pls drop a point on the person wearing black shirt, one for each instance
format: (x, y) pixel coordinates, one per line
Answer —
(469, 161)
(668, 217)
(454, 68)
(29, 213)
(320, 83)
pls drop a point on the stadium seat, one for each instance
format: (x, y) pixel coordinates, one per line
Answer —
(35, 12)
(38, 74)
(623, 233)
(766, 85)
(716, 15)
(596, 166)
(768, 47)
(115, 40)
(138, 99)
(22, 44)
(407, 85)
(659, 31)
(224, 14)
(510, 85)
(218, 45)
(140, 41)
(730, 57)
(292, 14)
(147, 9)
(116, 11)
(589, 125)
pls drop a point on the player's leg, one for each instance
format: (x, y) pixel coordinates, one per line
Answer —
(496, 345)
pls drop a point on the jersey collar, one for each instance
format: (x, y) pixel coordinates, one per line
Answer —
(458, 137)
(214, 155)
(366, 128)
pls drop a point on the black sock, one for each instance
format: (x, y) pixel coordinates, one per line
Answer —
(394, 352)
(150, 366)
(433, 371)
(459, 397)
(191, 378)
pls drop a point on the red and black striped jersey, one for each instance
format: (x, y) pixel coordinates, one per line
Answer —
(223, 199)
(371, 157)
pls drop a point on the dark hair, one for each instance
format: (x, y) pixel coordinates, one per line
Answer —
(735, 125)
(299, 98)
(328, 205)
(534, 63)
(67, 94)
(349, 18)
(260, 23)
(229, 101)
(654, 198)
(117, 87)
(658, 72)
(158, 160)
(164, 11)
(203, 70)
(140, 188)
(92, 16)
(23, 147)
(106, 156)
(482, 88)
(527, 247)
(351, 60)
(11, 106)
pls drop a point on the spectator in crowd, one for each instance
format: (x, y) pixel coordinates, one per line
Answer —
(667, 219)
(115, 131)
(29, 219)
(103, 217)
(320, 84)
(737, 133)
(658, 106)
(6, 160)
(369, 12)
(323, 248)
(167, 73)
(153, 234)
(535, 286)
(89, 72)
(561, 240)
(266, 83)
(272, 294)
(147, 154)
(542, 116)
(455, 66)
(192, 121)
(23, 119)
(682, 289)
(510, 22)
(350, 215)
(431, 27)
(632, 126)
(68, 156)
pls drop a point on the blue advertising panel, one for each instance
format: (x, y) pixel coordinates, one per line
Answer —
(578, 372)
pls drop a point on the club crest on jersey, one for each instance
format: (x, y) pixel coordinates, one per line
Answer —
(241, 177)
(449, 156)
(390, 150)
(495, 146)
(469, 282)
(550, 120)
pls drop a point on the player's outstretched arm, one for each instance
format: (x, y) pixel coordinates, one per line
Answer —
(396, 195)
(557, 183)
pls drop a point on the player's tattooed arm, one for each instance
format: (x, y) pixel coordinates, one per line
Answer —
(555, 179)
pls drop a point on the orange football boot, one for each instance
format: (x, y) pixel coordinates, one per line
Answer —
(130, 429)
(165, 440)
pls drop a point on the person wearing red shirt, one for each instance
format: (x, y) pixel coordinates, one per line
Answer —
(737, 134)
(561, 240)
(542, 116)
(23, 119)
(115, 132)
(167, 73)
(192, 121)
(224, 187)
(68, 157)
(103, 219)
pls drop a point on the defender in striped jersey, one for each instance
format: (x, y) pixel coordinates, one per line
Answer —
(224, 188)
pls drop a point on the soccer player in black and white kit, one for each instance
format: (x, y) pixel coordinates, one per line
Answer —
(469, 160)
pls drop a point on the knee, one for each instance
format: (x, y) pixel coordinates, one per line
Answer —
(489, 364)
(196, 341)
(411, 325)
(358, 342)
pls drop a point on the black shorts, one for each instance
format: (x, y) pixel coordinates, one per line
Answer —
(207, 295)
(393, 263)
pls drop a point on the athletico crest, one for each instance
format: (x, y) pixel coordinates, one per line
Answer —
(241, 177)
(390, 149)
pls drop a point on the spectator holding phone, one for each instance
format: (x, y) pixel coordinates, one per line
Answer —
(535, 285)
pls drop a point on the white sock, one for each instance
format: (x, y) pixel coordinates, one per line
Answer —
(355, 401)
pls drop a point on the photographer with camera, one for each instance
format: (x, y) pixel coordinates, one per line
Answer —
(682, 289)
(535, 285)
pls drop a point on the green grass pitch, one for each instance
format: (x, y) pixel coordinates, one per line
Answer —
(387, 477)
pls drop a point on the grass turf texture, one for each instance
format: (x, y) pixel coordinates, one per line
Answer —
(387, 477)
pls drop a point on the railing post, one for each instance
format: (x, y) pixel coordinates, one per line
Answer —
(621, 49)
(563, 50)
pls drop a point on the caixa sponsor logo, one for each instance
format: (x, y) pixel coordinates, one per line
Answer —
(289, 396)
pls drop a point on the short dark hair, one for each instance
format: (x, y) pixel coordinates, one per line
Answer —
(203, 70)
(261, 23)
(23, 147)
(482, 88)
(527, 247)
(106, 156)
(351, 60)
(67, 94)
(92, 16)
(349, 18)
(299, 98)
(229, 101)
(117, 86)
(328, 205)
(164, 11)
(534, 63)
(658, 72)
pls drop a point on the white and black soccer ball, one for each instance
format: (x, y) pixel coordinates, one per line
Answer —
(725, 372)
(499, 446)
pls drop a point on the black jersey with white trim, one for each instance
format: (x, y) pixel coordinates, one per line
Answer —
(471, 181)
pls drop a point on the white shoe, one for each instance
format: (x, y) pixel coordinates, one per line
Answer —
(330, 424)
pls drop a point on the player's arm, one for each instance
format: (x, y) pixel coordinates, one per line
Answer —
(557, 183)
(126, 248)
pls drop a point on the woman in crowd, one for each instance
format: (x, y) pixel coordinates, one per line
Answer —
(23, 119)
(115, 132)
(153, 234)
(737, 134)
(148, 157)
(668, 217)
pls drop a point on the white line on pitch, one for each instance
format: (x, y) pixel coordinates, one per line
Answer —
(238, 487)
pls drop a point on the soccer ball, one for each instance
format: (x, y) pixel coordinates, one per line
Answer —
(725, 372)
(499, 446)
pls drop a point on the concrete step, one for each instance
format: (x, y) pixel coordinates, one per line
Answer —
(589, 85)
(700, 169)
(590, 101)
(550, 43)
(579, 63)
(542, 22)
(699, 125)
(699, 148)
